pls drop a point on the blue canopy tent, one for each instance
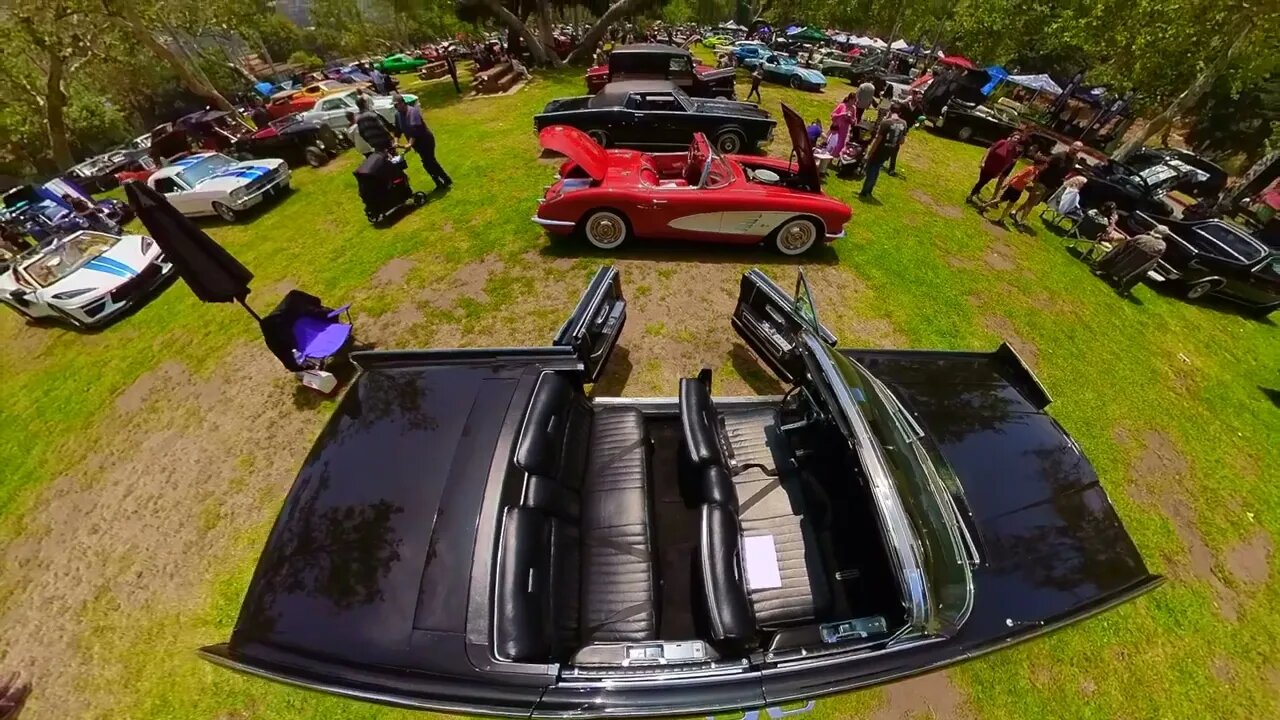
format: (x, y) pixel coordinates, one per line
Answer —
(998, 75)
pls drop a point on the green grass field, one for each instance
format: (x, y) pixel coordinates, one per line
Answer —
(141, 466)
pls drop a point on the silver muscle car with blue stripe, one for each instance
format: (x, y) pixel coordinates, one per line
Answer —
(83, 279)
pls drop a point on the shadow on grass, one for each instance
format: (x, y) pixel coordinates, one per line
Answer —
(1272, 394)
(868, 199)
(686, 251)
(304, 398)
(1214, 303)
(617, 371)
(755, 375)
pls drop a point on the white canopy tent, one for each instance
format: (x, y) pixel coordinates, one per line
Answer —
(1040, 83)
(878, 43)
(899, 45)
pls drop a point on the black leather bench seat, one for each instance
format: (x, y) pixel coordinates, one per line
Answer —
(618, 588)
(576, 563)
(775, 506)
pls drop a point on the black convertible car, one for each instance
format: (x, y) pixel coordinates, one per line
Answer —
(1215, 257)
(647, 114)
(473, 533)
(1134, 190)
(980, 124)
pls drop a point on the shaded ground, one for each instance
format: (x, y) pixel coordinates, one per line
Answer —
(143, 465)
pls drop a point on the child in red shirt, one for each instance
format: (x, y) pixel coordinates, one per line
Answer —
(1011, 191)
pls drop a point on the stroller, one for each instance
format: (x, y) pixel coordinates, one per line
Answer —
(384, 186)
(852, 163)
(309, 338)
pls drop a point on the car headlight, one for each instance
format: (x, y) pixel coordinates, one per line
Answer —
(72, 294)
(147, 243)
(237, 195)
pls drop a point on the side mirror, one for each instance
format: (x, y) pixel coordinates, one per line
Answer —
(19, 295)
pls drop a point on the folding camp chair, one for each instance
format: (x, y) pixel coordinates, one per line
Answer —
(1062, 206)
(309, 338)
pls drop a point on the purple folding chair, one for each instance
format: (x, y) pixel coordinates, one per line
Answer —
(306, 336)
(320, 338)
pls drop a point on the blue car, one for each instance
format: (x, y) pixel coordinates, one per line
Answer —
(750, 53)
(786, 70)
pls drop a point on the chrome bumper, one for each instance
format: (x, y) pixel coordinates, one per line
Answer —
(552, 223)
(1162, 272)
(836, 236)
(279, 185)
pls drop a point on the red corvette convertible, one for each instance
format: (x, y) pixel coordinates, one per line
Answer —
(610, 195)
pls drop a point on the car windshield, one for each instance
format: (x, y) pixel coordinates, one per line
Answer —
(67, 257)
(934, 552)
(717, 173)
(203, 170)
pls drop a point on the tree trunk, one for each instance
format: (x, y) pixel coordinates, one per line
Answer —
(1193, 93)
(507, 18)
(54, 113)
(587, 48)
(544, 29)
(193, 82)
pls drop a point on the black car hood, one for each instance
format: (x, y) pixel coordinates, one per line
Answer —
(375, 539)
(1050, 542)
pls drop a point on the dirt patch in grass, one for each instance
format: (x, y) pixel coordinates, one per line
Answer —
(393, 272)
(960, 263)
(932, 695)
(944, 209)
(122, 528)
(1250, 560)
(1223, 669)
(1157, 474)
(997, 231)
(277, 290)
(385, 329)
(467, 281)
(1001, 256)
(1088, 687)
(1001, 326)
(170, 374)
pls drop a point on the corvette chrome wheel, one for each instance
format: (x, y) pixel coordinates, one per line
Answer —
(796, 237)
(605, 229)
(225, 212)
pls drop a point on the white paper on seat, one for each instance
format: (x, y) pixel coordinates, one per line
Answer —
(760, 558)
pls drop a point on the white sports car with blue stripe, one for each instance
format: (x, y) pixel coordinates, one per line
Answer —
(214, 184)
(83, 279)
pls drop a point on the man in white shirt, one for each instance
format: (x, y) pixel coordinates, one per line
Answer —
(353, 134)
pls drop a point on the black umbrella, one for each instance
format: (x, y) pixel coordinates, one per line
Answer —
(213, 274)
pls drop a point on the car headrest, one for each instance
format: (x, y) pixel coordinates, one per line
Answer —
(730, 619)
(549, 441)
(698, 424)
(524, 626)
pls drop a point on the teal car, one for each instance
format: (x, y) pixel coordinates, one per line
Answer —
(400, 63)
(786, 70)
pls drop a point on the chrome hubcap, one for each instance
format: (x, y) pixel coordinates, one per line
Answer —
(796, 236)
(729, 144)
(605, 229)
(1198, 290)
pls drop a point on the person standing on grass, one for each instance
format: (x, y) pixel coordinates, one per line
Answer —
(373, 128)
(1049, 180)
(865, 97)
(757, 74)
(996, 164)
(888, 137)
(842, 120)
(1009, 191)
(411, 124)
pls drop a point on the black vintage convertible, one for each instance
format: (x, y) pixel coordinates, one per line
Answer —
(650, 114)
(1214, 257)
(473, 533)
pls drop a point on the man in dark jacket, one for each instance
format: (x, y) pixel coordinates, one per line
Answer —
(411, 124)
(373, 128)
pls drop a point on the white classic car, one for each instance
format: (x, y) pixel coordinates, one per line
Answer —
(214, 184)
(332, 109)
(83, 279)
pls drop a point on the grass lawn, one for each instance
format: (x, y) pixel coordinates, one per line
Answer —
(141, 466)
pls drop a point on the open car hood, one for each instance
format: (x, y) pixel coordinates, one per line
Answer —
(578, 147)
(803, 148)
